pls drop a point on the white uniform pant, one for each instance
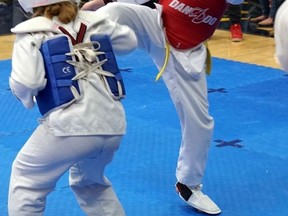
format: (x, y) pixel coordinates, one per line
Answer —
(190, 100)
(45, 158)
(185, 79)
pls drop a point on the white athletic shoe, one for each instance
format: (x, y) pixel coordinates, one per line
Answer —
(195, 198)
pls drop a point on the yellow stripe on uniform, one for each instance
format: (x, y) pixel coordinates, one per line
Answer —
(167, 55)
(208, 59)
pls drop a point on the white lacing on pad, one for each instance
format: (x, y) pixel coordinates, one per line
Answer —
(86, 61)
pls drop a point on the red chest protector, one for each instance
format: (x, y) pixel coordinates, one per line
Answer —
(190, 22)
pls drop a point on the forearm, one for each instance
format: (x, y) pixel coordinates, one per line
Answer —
(93, 5)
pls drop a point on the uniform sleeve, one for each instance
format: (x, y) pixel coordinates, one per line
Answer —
(23, 93)
(143, 21)
(122, 37)
(280, 35)
(28, 74)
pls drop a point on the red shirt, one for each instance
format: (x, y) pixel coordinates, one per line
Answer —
(190, 22)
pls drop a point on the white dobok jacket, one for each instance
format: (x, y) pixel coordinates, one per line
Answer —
(96, 113)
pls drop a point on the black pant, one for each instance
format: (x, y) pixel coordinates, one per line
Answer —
(234, 13)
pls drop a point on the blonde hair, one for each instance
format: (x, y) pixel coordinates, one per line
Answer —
(64, 11)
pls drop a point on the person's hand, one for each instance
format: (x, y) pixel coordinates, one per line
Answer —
(93, 5)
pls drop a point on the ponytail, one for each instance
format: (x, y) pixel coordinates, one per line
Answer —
(65, 11)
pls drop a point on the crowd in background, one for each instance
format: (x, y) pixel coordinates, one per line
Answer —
(261, 14)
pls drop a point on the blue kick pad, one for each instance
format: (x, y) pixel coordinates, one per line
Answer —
(247, 169)
(59, 75)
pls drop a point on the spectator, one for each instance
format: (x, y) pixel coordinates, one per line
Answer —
(234, 14)
(269, 10)
(18, 14)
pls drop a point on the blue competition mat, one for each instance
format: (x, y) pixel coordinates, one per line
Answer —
(247, 169)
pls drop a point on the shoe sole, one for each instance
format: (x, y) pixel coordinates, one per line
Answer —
(266, 26)
(237, 39)
(199, 209)
(256, 21)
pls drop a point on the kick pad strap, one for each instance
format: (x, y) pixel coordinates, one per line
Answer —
(114, 83)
